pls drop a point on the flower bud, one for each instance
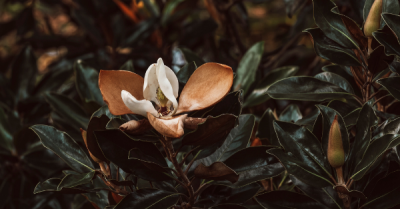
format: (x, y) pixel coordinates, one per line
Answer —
(373, 21)
(335, 145)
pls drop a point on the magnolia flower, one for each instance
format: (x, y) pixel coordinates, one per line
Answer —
(155, 96)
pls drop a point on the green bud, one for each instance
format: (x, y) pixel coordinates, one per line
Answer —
(373, 21)
(335, 145)
(161, 98)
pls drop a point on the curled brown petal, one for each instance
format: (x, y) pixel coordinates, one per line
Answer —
(84, 134)
(112, 82)
(171, 128)
(135, 127)
(208, 85)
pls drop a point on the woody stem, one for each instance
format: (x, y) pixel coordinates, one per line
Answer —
(181, 174)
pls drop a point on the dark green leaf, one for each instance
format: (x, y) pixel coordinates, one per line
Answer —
(252, 164)
(103, 111)
(65, 147)
(392, 84)
(286, 199)
(248, 65)
(71, 180)
(329, 50)
(96, 124)
(149, 199)
(351, 118)
(266, 128)
(210, 131)
(344, 72)
(259, 94)
(116, 146)
(373, 152)
(168, 11)
(302, 150)
(52, 80)
(186, 71)
(216, 171)
(390, 8)
(229, 206)
(326, 196)
(386, 37)
(87, 83)
(192, 57)
(386, 192)
(237, 139)
(6, 136)
(335, 79)
(50, 185)
(306, 89)
(68, 110)
(392, 21)
(148, 136)
(328, 18)
(291, 114)
(99, 198)
(366, 120)
(23, 74)
(128, 65)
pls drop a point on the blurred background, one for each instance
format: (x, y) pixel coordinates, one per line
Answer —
(52, 50)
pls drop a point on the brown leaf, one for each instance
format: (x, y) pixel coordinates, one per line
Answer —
(84, 136)
(112, 82)
(172, 128)
(216, 171)
(356, 32)
(353, 193)
(207, 86)
(95, 124)
(192, 123)
(135, 127)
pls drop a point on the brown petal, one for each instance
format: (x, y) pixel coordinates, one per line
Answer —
(172, 128)
(135, 127)
(216, 171)
(208, 85)
(112, 82)
(84, 134)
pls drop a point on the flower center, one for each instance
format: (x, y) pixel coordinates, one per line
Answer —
(163, 100)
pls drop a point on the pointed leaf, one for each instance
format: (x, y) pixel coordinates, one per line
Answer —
(149, 199)
(87, 83)
(286, 199)
(392, 84)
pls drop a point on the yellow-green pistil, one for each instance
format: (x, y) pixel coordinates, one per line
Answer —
(163, 102)
(335, 145)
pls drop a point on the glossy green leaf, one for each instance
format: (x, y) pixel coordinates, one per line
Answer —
(366, 120)
(52, 80)
(266, 128)
(326, 196)
(328, 18)
(252, 164)
(65, 147)
(328, 115)
(390, 8)
(149, 199)
(70, 180)
(259, 94)
(23, 74)
(50, 185)
(341, 107)
(335, 79)
(287, 199)
(329, 50)
(96, 124)
(87, 83)
(351, 118)
(386, 38)
(306, 89)
(373, 152)
(302, 152)
(150, 157)
(291, 114)
(237, 139)
(128, 65)
(186, 71)
(192, 57)
(99, 198)
(248, 65)
(392, 21)
(6, 136)
(103, 111)
(212, 130)
(217, 171)
(392, 84)
(116, 146)
(386, 192)
(68, 109)
(344, 72)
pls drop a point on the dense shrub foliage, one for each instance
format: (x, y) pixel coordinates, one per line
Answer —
(302, 111)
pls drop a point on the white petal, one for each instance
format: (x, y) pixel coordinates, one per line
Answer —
(165, 84)
(141, 107)
(150, 84)
(173, 80)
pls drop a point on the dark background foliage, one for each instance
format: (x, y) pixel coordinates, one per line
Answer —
(52, 50)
